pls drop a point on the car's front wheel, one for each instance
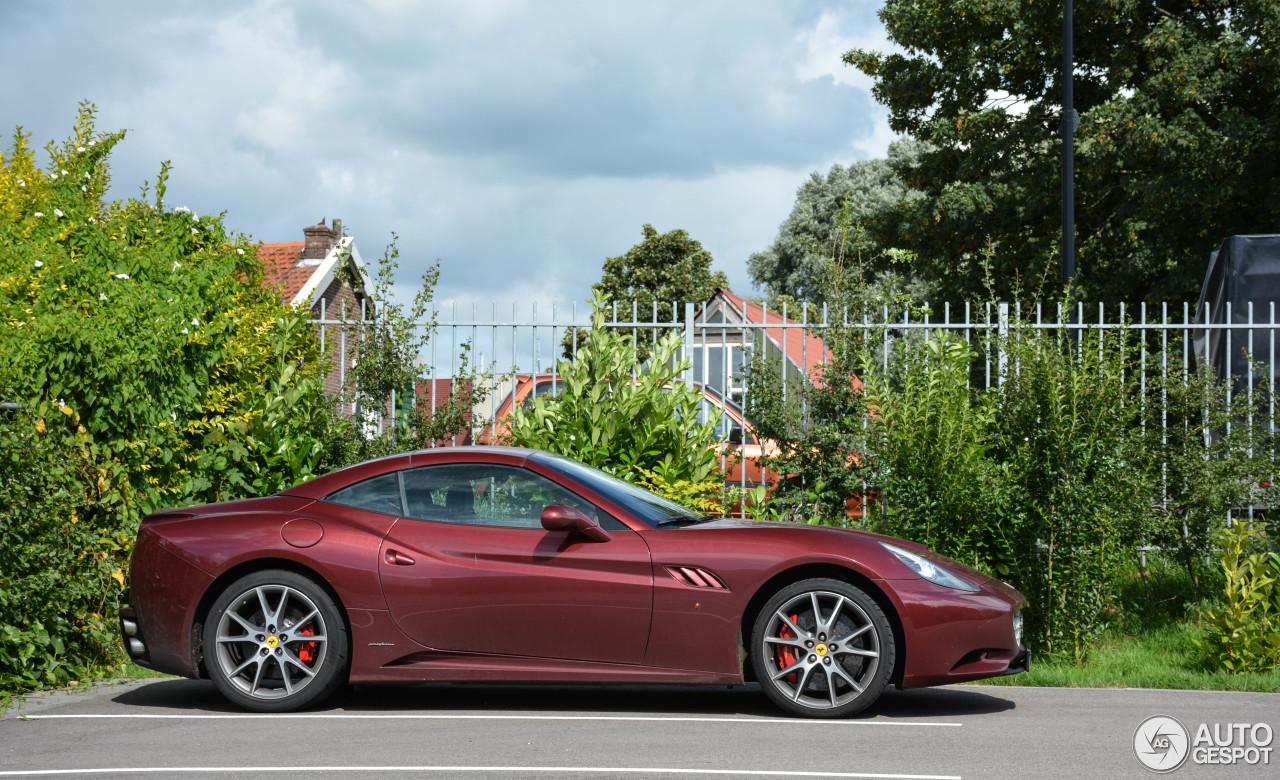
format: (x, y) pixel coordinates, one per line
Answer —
(275, 641)
(822, 648)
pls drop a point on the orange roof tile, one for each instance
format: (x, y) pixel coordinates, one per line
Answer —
(281, 269)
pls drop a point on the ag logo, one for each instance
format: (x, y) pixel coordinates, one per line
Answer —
(1161, 743)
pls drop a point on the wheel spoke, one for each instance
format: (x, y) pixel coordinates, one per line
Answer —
(236, 672)
(266, 608)
(257, 678)
(857, 651)
(295, 661)
(797, 630)
(278, 618)
(840, 670)
(830, 625)
(779, 640)
(245, 624)
(296, 638)
(314, 613)
(804, 680)
(846, 640)
(793, 667)
(284, 676)
(831, 684)
(817, 611)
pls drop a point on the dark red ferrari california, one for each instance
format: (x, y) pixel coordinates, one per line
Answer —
(489, 563)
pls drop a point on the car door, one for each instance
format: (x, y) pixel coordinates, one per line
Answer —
(469, 568)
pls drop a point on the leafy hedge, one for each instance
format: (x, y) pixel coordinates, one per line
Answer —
(68, 528)
(156, 369)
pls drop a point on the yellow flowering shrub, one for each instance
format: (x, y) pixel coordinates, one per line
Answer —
(163, 373)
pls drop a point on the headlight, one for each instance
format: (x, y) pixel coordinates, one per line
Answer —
(930, 571)
(1017, 628)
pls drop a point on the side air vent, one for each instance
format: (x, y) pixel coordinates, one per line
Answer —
(696, 578)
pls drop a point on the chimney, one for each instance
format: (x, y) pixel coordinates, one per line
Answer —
(319, 239)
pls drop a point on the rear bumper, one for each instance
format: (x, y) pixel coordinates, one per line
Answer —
(131, 634)
(166, 590)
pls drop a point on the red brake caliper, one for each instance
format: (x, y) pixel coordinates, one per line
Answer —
(786, 654)
(307, 653)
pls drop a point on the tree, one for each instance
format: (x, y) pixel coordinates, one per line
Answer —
(662, 269)
(1178, 144)
(795, 264)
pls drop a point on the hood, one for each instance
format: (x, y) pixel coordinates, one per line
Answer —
(730, 522)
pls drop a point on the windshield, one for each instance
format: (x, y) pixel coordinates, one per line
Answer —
(649, 507)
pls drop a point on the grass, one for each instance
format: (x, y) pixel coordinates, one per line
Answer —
(1161, 658)
(1150, 642)
(131, 671)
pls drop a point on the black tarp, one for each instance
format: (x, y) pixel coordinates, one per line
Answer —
(1244, 270)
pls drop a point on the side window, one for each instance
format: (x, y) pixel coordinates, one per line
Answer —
(489, 494)
(379, 494)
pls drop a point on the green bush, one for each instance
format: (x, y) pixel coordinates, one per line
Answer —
(153, 325)
(1041, 479)
(157, 370)
(620, 415)
(932, 436)
(1216, 455)
(1243, 632)
(67, 528)
(1066, 434)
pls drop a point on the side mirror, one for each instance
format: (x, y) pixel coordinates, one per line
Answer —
(735, 435)
(559, 517)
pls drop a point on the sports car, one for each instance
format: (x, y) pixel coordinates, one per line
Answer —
(504, 564)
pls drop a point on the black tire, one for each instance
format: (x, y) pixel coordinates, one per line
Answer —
(275, 641)
(822, 648)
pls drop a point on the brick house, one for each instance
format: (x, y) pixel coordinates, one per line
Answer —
(326, 270)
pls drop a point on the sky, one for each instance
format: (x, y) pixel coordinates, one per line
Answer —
(520, 143)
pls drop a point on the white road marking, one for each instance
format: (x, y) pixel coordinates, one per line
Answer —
(559, 770)
(373, 716)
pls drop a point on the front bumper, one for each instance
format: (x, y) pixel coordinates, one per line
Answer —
(1020, 663)
(954, 636)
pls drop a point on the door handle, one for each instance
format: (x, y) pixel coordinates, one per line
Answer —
(397, 558)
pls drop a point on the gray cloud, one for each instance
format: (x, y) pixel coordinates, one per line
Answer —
(520, 142)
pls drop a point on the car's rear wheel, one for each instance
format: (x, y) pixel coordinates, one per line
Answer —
(822, 648)
(274, 641)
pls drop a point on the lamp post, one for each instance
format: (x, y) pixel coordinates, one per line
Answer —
(1070, 120)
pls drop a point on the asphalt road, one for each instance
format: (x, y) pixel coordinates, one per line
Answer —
(171, 726)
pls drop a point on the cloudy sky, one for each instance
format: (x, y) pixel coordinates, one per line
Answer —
(519, 142)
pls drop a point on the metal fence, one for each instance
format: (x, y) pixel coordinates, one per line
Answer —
(719, 340)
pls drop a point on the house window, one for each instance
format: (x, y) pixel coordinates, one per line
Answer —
(722, 367)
